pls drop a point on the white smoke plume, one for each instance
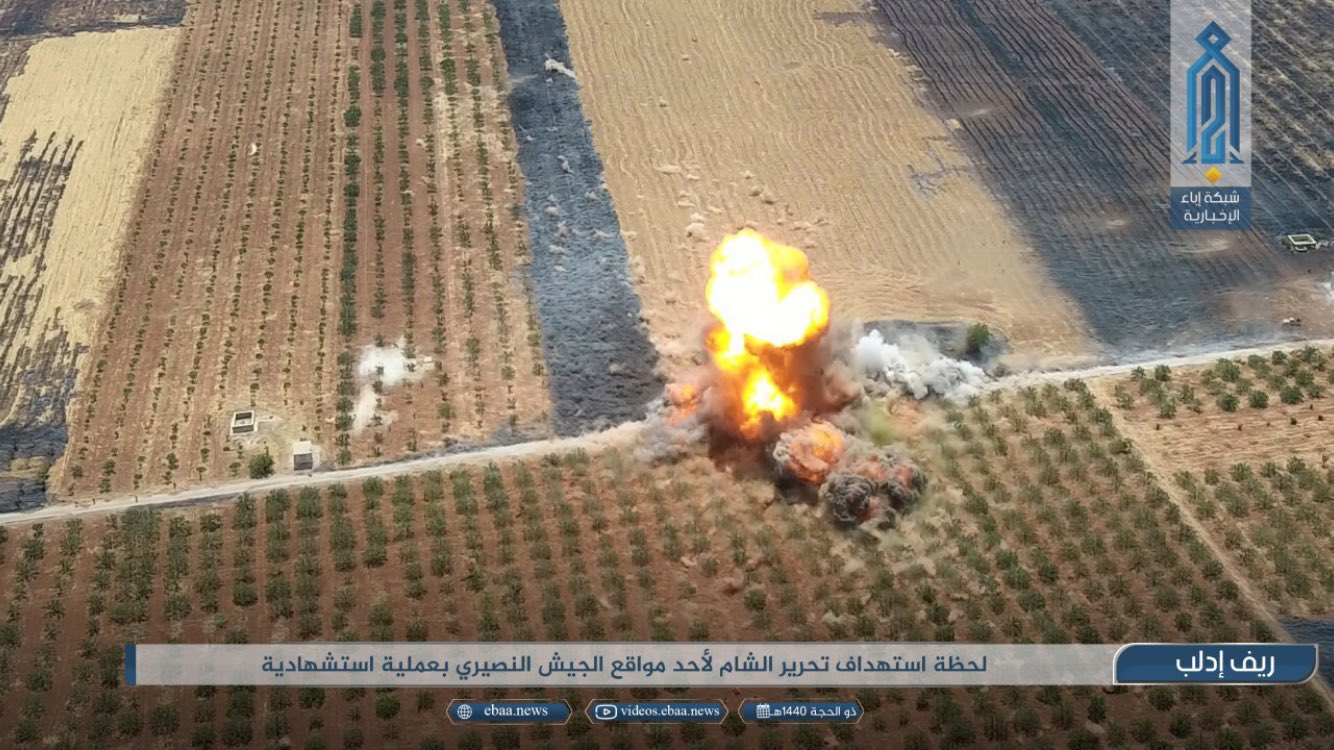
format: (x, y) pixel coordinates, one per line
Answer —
(914, 366)
(387, 365)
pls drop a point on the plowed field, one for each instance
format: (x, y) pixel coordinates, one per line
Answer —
(327, 178)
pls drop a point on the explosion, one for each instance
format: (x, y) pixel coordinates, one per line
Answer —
(858, 481)
(765, 306)
(778, 388)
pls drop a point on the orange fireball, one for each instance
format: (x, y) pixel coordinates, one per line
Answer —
(763, 298)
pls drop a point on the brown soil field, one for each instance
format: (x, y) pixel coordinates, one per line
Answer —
(69, 166)
(1196, 433)
(846, 162)
(442, 237)
(1033, 519)
(203, 318)
(240, 290)
(1258, 478)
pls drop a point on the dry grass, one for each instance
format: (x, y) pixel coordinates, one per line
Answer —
(102, 90)
(698, 140)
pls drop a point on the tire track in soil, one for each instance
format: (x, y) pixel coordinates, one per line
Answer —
(1071, 130)
(600, 363)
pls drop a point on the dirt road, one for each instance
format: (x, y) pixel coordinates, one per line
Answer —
(621, 435)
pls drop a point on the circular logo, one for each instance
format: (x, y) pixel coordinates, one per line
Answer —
(464, 711)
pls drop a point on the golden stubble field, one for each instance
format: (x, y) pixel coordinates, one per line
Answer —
(109, 85)
(77, 116)
(794, 117)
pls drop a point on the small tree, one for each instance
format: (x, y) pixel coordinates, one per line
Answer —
(979, 335)
(1228, 402)
(1259, 399)
(261, 465)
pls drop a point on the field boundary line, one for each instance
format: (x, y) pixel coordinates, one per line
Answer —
(1162, 477)
(620, 434)
(1029, 377)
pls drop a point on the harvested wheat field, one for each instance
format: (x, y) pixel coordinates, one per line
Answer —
(794, 117)
(69, 166)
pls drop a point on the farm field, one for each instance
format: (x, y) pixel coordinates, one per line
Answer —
(1248, 447)
(845, 164)
(1063, 106)
(1293, 164)
(35, 18)
(1037, 507)
(1253, 411)
(326, 236)
(69, 166)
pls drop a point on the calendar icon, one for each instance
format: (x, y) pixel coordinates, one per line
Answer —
(762, 711)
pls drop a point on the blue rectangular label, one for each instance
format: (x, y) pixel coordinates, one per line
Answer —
(657, 712)
(1215, 663)
(1211, 208)
(801, 712)
(509, 712)
(1211, 138)
(130, 665)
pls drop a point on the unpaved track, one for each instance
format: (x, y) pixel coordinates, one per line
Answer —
(1019, 380)
(621, 435)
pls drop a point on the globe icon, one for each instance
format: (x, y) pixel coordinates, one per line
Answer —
(464, 712)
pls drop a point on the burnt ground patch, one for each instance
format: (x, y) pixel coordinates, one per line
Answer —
(600, 361)
(1077, 153)
(37, 367)
(1289, 100)
(22, 18)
